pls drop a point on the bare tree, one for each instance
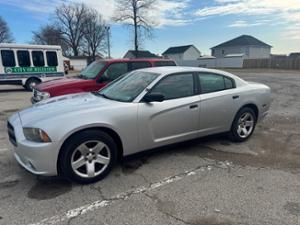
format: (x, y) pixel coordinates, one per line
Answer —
(135, 13)
(50, 35)
(95, 31)
(71, 18)
(5, 34)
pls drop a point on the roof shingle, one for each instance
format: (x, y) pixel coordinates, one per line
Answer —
(177, 50)
(244, 40)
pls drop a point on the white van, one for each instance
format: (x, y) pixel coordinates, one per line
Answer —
(28, 65)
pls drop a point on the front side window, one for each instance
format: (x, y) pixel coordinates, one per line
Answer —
(175, 86)
(38, 58)
(128, 87)
(23, 58)
(92, 70)
(115, 70)
(51, 58)
(214, 82)
(8, 58)
(164, 63)
(139, 65)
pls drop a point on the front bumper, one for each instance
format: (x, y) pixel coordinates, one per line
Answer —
(37, 158)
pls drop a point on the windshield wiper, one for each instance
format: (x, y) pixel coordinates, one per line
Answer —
(82, 77)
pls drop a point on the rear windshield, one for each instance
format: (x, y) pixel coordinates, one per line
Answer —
(164, 63)
(92, 70)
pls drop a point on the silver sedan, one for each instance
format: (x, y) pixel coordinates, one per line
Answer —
(81, 136)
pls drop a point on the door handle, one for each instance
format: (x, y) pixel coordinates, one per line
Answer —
(193, 106)
(235, 96)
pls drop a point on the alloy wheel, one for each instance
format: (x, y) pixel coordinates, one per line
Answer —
(245, 125)
(90, 159)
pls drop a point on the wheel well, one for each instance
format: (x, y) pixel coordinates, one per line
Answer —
(253, 107)
(109, 131)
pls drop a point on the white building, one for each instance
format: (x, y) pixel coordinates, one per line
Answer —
(179, 53)
(248, 46)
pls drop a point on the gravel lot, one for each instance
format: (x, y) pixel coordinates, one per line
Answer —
(209, 181)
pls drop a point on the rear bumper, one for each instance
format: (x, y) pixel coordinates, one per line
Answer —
(37, 158)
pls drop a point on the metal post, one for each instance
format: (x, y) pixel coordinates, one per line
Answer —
(108, 40)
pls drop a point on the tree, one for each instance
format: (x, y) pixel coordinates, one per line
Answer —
(95, 31)
(71, 18)
(49, 35)
(135, 13)
(5, 34)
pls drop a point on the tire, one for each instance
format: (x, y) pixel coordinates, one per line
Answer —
(243, 125)
(79, 164)
(30, 83)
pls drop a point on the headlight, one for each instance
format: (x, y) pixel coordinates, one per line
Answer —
(36, 135)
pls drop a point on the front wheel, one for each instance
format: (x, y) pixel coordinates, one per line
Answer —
(243, 125)
(31, 83)
(88, 156)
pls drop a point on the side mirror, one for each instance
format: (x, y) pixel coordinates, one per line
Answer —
(154, 97)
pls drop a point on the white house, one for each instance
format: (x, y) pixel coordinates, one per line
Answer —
(80, 62)
(179, 53)
(246, 45)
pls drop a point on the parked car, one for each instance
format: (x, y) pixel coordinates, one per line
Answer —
(29, 65)
(94, 77)
(80, 136)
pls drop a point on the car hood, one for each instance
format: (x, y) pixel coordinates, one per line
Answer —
(59, 83)
(63, 105)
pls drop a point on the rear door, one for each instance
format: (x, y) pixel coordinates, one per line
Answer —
(176, 118)
(219, 103)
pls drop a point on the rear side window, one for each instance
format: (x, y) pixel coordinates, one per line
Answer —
(51, 58)
(175, 86)
(38, 58)
(23, 58)
(139, 65)
(214, 82)
(8, 58)
(164, 63)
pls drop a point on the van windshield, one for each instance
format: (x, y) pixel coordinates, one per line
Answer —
(92, 70)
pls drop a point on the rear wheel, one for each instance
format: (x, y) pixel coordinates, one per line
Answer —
(243, 125)
(31, 83)
(88, 156)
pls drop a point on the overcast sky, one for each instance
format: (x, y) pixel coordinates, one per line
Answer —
(204, 23)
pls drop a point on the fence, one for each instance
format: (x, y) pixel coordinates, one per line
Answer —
(228, 62)
(290, 64)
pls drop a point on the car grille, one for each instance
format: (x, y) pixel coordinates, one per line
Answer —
(11, 134)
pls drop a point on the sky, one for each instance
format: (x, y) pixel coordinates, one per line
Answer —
(203, 23)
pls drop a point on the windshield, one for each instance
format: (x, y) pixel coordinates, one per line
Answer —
(92, 70)
(128, 87)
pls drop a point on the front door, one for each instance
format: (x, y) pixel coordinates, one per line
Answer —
(173, 120)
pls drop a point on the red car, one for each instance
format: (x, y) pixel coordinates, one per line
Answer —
(94, 77)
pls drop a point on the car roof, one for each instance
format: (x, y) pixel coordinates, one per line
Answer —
(137, 60)
(166, 70)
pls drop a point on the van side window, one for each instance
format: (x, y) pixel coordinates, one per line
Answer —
(8, 58)
(140, 65)
(38, 58)
(51, 58)
(164, 63)
(23, 58)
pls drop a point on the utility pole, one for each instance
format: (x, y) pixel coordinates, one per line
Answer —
(108, 40)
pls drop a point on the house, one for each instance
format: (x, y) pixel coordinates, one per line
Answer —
(80, 62)
(131, 54)
(249, 46)
(295, 55)
(187, 52)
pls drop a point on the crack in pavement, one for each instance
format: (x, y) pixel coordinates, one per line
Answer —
(73, 213)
